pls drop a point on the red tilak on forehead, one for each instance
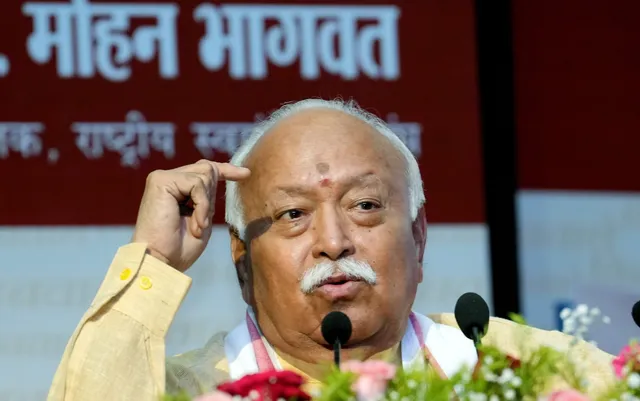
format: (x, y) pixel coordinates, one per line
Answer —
(325, 182)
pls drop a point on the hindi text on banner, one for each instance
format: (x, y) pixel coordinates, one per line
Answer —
(133, 139)
(219, 137)
(86, 35)
(303, 33)
(20, 137)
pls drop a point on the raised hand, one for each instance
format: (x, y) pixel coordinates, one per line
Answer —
(176, 238)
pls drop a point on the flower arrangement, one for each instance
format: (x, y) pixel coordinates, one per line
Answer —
(497, 376)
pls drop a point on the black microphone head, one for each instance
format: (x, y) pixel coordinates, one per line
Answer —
(472, 312)
(635, 313)
(336, 326)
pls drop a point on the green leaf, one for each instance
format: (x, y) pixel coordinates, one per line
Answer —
(182, 396)
(337, 386)
(517, 318)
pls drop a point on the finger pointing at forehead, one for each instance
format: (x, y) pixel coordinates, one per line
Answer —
(230, 172)
(217, 171)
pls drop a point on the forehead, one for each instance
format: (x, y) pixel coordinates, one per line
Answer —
(323, 142)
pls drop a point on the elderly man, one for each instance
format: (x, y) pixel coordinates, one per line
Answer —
(325, 208)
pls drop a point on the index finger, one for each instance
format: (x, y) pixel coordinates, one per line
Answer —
(230, 172)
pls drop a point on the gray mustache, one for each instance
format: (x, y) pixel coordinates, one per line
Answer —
(352, 268)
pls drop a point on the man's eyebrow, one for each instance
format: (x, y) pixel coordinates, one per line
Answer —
(294, 190)
(363, 180)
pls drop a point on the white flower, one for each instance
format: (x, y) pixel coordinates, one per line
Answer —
(633, 381)
(466, 377)
(477, 397)
(581, 331)
(506, 376)
(595, 312)
(510, 394)
(516, 381)
(565, 313)
(581, 309)
(412, 384)
(494, 398)
(254, 395)
(458, 389)
(488, 360)
(568, 325)
(628, 397)
(606, 319)
(490, 377)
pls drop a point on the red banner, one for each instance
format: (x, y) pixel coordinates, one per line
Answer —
(98, 94)
(576, 78)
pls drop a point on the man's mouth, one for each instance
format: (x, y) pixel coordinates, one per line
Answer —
(340, 287)
(338, 280)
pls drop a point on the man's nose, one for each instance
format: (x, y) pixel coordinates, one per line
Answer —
(333, 239)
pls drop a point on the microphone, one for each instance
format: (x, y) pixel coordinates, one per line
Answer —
(472, 316)
(635, 313)
(336, 330)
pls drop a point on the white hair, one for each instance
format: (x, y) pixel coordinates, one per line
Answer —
(234, 213)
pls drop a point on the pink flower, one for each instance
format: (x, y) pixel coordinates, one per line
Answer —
(567, 395)
(215, 396)
(373, 377)
(630, 353)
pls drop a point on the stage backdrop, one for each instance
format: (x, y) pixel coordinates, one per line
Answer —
(97, 95)
(576, 78)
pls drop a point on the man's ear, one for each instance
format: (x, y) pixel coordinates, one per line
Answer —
(242, 262)
(238, 247)
(419, 229)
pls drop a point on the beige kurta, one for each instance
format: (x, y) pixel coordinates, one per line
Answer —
(117, 352)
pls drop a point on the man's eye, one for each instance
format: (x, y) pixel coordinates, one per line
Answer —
(291, 214)
(368, 205)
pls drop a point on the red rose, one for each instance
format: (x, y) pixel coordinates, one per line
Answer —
(514, 363)
(268, 386)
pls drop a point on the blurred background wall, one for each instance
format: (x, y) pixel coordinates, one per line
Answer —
(577, 119)
(523, 116)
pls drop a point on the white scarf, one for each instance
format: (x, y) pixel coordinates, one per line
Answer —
(450, 348)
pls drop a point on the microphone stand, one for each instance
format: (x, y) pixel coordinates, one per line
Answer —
(476, 336)
(336, 352)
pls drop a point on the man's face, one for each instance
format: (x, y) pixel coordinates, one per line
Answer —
(330, 187)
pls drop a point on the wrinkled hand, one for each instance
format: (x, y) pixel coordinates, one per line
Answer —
(176, 239)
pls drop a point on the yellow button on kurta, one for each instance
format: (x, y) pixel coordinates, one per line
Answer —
(125, 274)
(145, 283)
